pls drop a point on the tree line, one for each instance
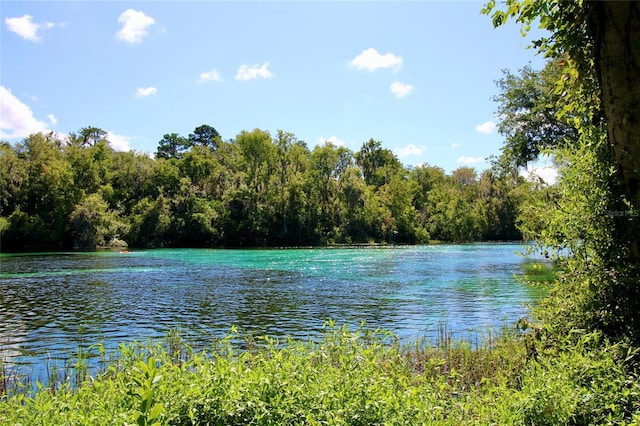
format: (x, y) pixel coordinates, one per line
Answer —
(254, 190)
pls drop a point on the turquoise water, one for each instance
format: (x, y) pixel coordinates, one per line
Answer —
(50, 304)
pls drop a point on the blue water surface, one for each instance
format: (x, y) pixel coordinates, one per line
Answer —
(52, 304)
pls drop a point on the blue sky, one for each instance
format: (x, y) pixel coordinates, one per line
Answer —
(417, 76)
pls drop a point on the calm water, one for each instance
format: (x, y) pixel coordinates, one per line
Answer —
(52, 303)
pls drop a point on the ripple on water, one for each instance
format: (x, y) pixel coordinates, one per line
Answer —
(52, 303)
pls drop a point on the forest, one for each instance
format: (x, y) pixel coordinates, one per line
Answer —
(256, 190)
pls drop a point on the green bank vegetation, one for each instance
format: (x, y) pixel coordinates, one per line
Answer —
(254, 190)
(577, 363)
(345, 378)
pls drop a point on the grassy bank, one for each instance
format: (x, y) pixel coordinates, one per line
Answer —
(348, 377)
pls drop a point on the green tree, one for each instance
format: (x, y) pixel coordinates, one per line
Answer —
(205, 136)
(258, 155)
(465, 178)
(12, 175)
(452, 217)
(602, 78)
(378, 164)
(402, 224)
(90, 164)
(392, 193)
(48, 191)
(327, 163)
(195, 220)
(201, 166)
(166, 177)
(172, 145)
(251, 201)
(597, 214)
(131, 179)
(24, 231)
(150, 223)
(91, 135)
(357, 227)
(428, 179)
(498, 206)
(92, 225)
(291, 156)
(528, 105)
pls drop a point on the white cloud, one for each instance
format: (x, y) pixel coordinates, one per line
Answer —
(455, 145)
(409, 150)
(212, 75)
(470, 160)
(245, 72)
(544, 168)
(333, 140)
(134, 25)
(371, 60)
(548, 174)
(62, 137)
(118, 142)
(486, 128)
(146, 91)
(26, 28)
(400, 90)
(16, 118)
(52, 119)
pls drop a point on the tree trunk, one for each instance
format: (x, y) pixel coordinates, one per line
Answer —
(615, 28)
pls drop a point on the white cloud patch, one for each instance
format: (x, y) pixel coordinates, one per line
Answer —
(134, 25)
(212, 75)
(409, 150)
(470, 160)
(16, 118)
(455, 145)
(118, 142)
(52, 119)
(26, 28)
(143, 92)
(62, 137)
(548, 174)
(544, 168)
(333, 140)
(486, 128)
(371, 60)
(400, 90)
(246, 72)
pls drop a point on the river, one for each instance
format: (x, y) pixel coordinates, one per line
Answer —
(53, 303)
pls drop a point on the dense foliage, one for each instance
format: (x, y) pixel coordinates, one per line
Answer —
(346, 378)
(255, 190)
(590, 221)
(529, 105)
(594, 213)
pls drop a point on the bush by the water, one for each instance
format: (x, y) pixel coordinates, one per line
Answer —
(348, 377)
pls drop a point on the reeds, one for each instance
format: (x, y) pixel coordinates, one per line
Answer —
(350, 377)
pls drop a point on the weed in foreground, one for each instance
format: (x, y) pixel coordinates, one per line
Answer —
(358, 377)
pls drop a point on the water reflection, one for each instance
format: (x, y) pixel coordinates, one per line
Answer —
(51, 304)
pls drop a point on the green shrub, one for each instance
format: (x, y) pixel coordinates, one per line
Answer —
(345, 378)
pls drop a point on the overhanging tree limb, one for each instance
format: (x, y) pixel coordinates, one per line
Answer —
(602, 40)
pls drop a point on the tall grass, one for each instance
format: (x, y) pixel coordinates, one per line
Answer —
(348, 377)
